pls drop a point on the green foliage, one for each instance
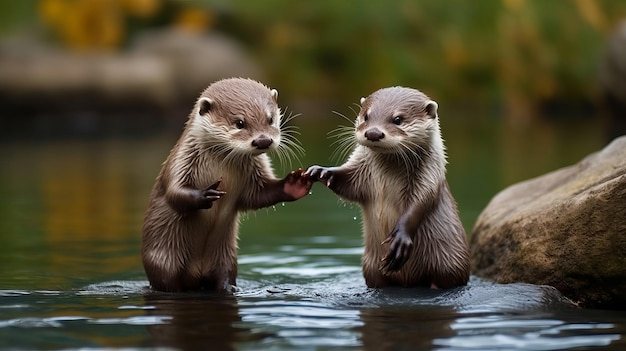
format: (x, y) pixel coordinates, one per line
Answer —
(524, 53)
(13, 14)
(464, 50)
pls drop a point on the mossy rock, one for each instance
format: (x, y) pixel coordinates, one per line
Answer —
(566, 229)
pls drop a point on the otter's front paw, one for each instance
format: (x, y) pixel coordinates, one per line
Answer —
(399, 251)
(297, 184)
(321, 174)
(210, 194)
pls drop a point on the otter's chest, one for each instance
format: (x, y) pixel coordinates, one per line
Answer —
(390, 196)
(391, 186)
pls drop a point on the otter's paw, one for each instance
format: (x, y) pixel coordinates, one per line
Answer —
(399, 251)
(321, 174)
(297, 184)
(211, 194)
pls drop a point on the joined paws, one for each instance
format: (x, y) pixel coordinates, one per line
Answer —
(297, 184)
(322, 174)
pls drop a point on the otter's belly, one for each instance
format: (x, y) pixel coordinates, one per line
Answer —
(213, 244)
(379, 219)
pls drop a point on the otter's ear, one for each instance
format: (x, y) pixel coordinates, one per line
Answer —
(431, 109)
(205, 105)
(362, 100)
(274, 93)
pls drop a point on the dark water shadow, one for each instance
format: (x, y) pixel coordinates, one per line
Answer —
(196, 321)
(183, 321)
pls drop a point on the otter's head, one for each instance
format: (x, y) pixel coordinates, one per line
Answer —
(238, 116)
(396, 119)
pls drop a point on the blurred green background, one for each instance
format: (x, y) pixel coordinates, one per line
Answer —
(519, 83)
(522, 57)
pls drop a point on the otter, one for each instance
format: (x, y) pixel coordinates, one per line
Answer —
(396, 173)
(217, 169)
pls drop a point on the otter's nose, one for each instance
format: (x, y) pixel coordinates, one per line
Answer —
(262, 142)
(374, 134)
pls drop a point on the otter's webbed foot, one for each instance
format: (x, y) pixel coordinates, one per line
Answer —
(321, 174)
(400, 248)
(297, 184)
(210, 194)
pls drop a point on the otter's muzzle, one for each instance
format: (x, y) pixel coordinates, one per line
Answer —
(262, 142)
(374, 134)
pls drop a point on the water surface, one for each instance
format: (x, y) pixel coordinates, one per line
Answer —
(71, 274)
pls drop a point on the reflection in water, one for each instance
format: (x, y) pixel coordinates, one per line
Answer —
(405, 327)
(196, 321)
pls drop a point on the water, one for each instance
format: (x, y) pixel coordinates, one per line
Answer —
(72, 279)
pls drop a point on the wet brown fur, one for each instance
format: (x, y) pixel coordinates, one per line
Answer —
(399, 182)
(185, 244)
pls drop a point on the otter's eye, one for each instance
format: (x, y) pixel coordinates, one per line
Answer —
(397, 120)
(240, 124)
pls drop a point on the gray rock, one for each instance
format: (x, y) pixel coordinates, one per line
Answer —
(196, 60)
(44, 89)
(161, 67)
(566, 229)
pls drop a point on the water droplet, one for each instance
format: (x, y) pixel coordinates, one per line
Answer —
(274, 208)
(310, 193)
(354, 218)
(283, 204)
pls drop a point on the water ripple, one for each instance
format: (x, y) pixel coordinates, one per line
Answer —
(507, 332)
(135, 320)
(117, 287)
(306, 271)
(33, 322)
(303, 323)
(523, 342)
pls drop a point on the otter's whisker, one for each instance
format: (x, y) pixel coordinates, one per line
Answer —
(290, 147)
(294, 149)
(355, 108)
(289, 117)
(351, 121)
(292, 142)
(343, 149)
(344, 144)
(287, 152)
(281, 157)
